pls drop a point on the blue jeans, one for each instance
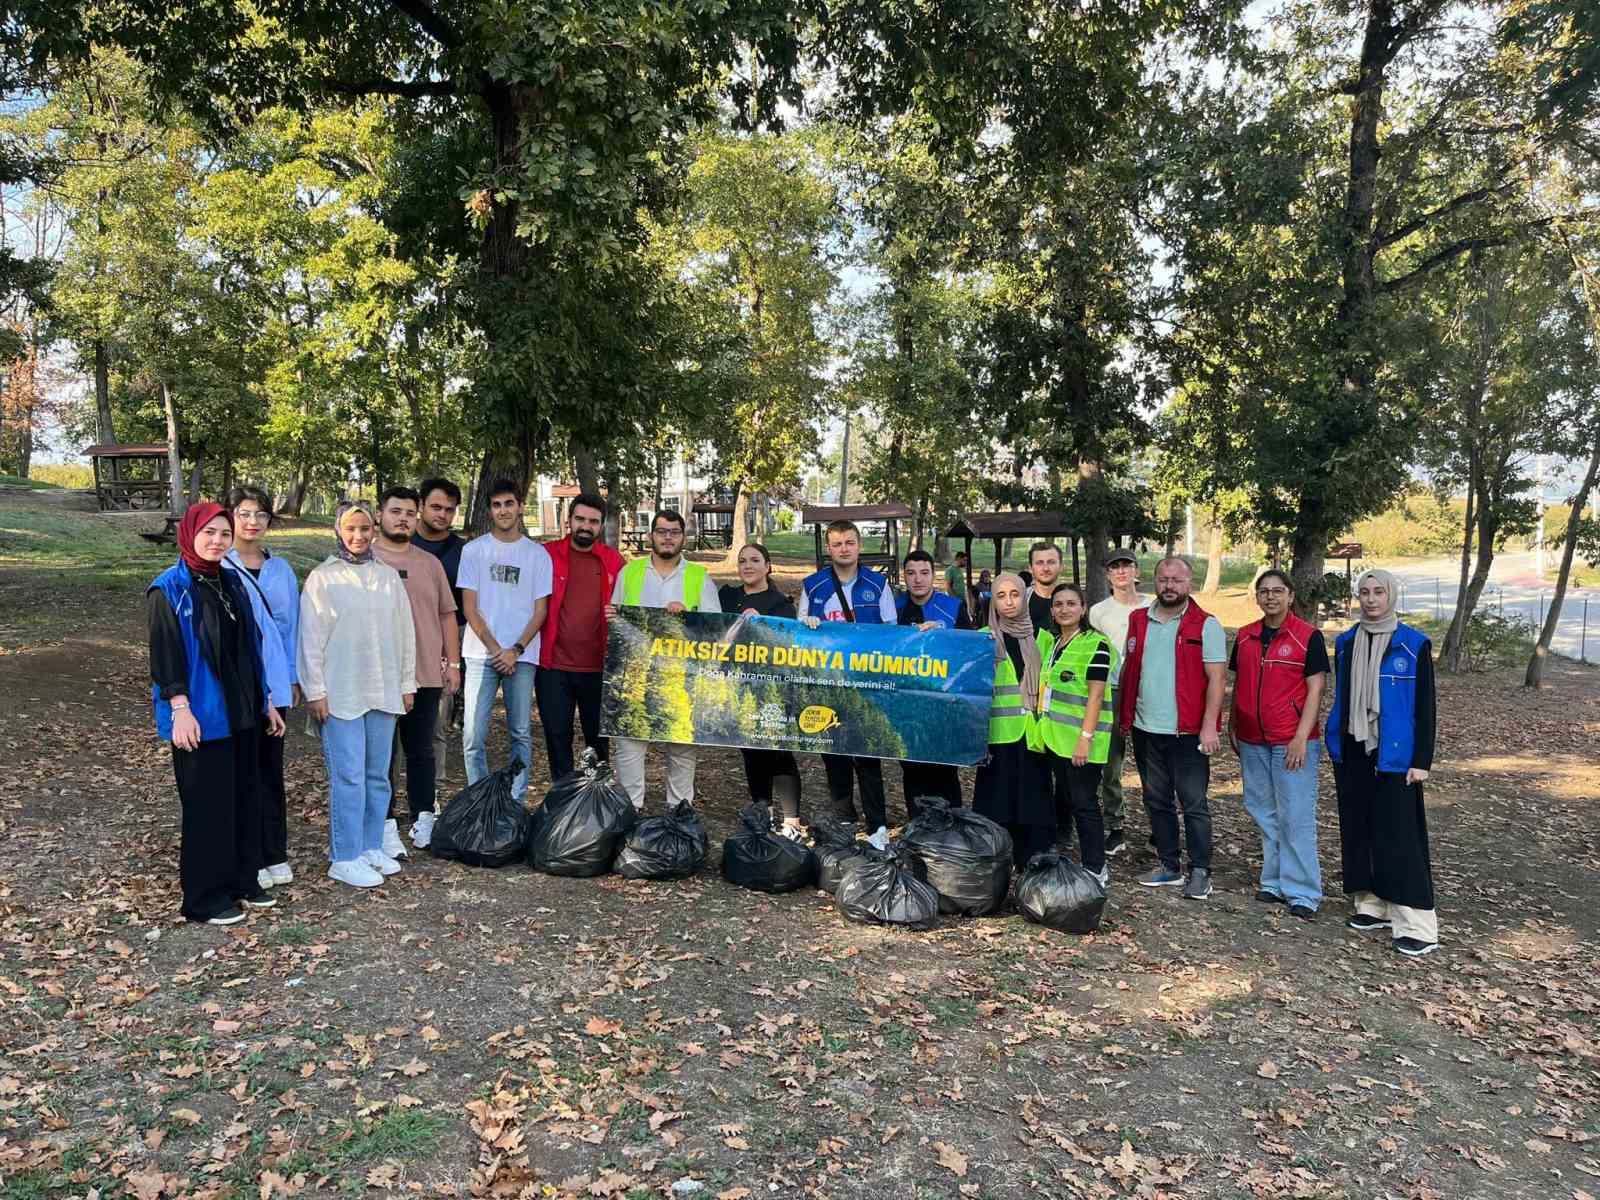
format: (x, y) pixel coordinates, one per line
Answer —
(357, 754)
(1284, 805)
(478, 690)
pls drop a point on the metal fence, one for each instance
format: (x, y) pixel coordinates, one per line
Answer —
(1432, 597)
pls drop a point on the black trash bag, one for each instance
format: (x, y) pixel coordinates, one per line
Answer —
(666, 847)
(837, 851)
(966, 855)
(887, 889)
(579, 828)
(1057, 892)
(757, 858)
(485, 825)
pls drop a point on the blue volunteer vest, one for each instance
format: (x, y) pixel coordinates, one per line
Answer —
(206, 703)
(1397, 697)
(939, 607)
(864, 594)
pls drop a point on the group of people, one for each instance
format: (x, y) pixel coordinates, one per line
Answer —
(407, 617)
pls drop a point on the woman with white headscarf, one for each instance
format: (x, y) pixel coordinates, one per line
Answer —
(1380, 736)
(358, 671)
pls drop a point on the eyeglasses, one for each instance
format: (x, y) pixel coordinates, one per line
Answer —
(252, 516)
(1272, 591)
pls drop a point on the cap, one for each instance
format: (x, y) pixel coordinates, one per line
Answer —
(1117, 556)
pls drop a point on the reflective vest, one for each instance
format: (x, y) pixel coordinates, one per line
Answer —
(1064, 696)
(1269, 688)
(1189, 670)
(1397, 696)
(694, 582)
(1008, 720)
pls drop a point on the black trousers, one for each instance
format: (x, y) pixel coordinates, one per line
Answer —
(416, 729)
(929, 779)
(220, 851)
(1173, 772)
(558, 693)
(274, 805)
(1383, 830)
(844, 772)
(1077, 800)
(773, 774)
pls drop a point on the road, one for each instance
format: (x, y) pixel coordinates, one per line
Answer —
(1428, 588)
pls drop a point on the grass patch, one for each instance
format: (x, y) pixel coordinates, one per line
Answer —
(292, 933)
(948, 1010)
(394, 1135)
(18, 481)
(1492, 641)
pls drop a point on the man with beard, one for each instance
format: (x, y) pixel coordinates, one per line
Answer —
(921, 606)
(1044, 565)
(433, 614)
(664, 580)
(435, 535)
(1173, 677)
(505, 587)
(584, 571)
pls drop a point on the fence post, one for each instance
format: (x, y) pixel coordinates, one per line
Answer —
(1500, 596)
(1438, 611)
(1583, 637)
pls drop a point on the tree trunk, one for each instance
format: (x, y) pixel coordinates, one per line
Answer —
(195, 473)
(1213, 583)
(1541, 651)
(1097, 538)
(613, 525)
(1308, 548)
(1450, 651)
(1172, 528)
(741, 511)
(295, 499)
(502, 462)
(589, 474)
(107, 430)
(174, 463)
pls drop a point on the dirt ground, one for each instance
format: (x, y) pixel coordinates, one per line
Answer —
(500, 1033)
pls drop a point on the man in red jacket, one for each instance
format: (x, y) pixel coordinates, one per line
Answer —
(1280, 664)
(1174, 672)
(573, 653)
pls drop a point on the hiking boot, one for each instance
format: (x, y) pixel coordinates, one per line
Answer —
(422, 830)
(228, 916)
(1159, 876)
(1363, 923)
(257, 899)
(1304, 911)
(392, 845)
(1414, 947)
(383, 864)
(281, 874)
(355, 872)
(1267, 897)
(1199, 885)
(1114, 843)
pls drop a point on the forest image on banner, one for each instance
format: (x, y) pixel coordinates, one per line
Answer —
(880, 691)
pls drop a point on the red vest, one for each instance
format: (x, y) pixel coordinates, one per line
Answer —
(1189, 670)
(1269, 690)
(610, 565)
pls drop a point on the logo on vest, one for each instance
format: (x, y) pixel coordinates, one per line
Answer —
(868, 594)
(1132, 643)
(1398, 663)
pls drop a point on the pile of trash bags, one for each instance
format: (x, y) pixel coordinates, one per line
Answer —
(837, 851)
(582, 823)
(886, 888)
(1060, 894)
(667, 847)
(757, 858)
(485, 825)
(966, 856)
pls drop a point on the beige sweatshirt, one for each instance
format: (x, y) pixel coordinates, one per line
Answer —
(358, 647)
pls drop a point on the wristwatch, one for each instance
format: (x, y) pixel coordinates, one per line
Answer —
(519, 648)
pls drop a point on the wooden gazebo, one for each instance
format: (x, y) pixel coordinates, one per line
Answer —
(885, 561)
(999, 527)
(713, 524)
(130, 477)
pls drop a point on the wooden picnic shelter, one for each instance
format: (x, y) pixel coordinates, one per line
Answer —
(1000, 527)
(885, 561)
(130, 477)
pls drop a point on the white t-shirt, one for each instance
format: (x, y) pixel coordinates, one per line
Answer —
(506, 578)
(1110, 617)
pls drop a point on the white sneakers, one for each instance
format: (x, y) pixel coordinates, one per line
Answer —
(880, 839)
(355, 872)
(422, 830)
(792, 830)
(280, 874)
(381, 862)
(264, 879)
(392, 845)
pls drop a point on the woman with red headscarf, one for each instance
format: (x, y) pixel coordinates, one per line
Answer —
(210, 696)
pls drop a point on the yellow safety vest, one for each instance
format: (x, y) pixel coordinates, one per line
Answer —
(1008, 720)
(1064, 697)
(694, 581)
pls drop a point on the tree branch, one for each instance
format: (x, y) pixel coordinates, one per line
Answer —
(1444, 210)
(1441, 256)
(391, 87)
(431, 23)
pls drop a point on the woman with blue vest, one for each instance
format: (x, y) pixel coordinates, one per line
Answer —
(1380, 735)
(275, 600)
(1074, 719)
(209, 688)
(1013, 784)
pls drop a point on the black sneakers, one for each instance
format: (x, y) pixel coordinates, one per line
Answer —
(1267, 897)
(1114, 843)
(1412, 947)
(228, 916)
(258, 899)
(1365, 924)
(1303, 912)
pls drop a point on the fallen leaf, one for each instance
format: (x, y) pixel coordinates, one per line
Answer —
(951, 1159)
(225, 1026)
(413, 1068)
(187, 1115)
(601, 1027)
(1268, 1070)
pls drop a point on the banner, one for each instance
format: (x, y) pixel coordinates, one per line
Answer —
(718, 679)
